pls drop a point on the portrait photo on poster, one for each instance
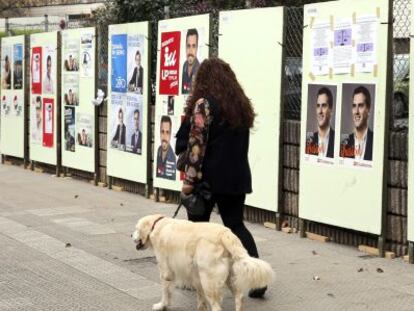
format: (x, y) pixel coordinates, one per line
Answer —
(135, 71)
(48, 122)
(118, 127)
(6, 65)
(192, 58)
(71, 54)
(36, 119)
(165, 156)
(320, 123)
(168, 103)
(17, 105)
(86, 55)
(36, 70)
(49, 70)
(17, 66)
(69, 129)
(84, 130)
(71, 89)
(134, 119)
(357, 124)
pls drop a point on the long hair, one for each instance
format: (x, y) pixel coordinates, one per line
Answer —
(216, 79)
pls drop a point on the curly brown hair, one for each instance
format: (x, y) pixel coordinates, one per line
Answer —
(216, 79)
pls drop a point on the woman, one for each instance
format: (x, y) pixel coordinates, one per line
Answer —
(216, 132)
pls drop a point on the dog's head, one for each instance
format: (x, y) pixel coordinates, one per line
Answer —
(143, 229)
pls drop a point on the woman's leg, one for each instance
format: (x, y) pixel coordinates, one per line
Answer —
(231, 212)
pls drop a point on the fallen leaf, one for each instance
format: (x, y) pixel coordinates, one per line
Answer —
(360, 269)
(379, 270)
(122, 204)
(331, 295)
(76, 196)
(315, 253)
(68, 245)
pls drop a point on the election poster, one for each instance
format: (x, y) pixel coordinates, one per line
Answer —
(18, 66)
(84, 130)
(169, 63)
(48, 122)
(36, 70)
(69, 129)
(119, 63)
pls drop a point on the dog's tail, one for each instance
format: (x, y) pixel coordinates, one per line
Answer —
(248, 272)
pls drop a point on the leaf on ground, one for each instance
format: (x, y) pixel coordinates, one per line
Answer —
(379, 270)
(68, 245)
(360, 269)
(76, 196)
(314, 253)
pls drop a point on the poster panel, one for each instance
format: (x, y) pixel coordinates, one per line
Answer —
(127, 152)
(77, 93)
(410, 199)
(43, 97)
(183, 45)
(342, 161)
(12, 97)
(263, 87)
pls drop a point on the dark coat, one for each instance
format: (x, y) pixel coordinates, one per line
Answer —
(331, 143)
(225, 165)
(116, 137)
(350, 143)
(134, 81)
(136, 147)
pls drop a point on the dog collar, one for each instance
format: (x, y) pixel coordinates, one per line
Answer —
(155, 222)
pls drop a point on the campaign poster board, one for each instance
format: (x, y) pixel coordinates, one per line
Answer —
(12, 96)
(43, 97)
(345, 57)
(174, 79)
(77, 92)
(410, 203)
(263, 87)
(128, 95)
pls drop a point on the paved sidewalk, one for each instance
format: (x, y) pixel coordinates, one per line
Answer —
(65, 245)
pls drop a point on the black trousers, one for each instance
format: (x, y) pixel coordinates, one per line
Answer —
(231, 212)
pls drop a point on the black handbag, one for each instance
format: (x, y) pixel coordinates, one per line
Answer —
(195, 202)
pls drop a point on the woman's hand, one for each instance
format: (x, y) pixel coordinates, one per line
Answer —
(187, 189)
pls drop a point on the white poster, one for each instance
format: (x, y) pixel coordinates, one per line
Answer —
(342, 47)
(321, 53)
(49, 69)
(86, 58)
(365, 34)
(36, 120)
(84, 130)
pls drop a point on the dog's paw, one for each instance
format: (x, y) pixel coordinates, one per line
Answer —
(159, 307)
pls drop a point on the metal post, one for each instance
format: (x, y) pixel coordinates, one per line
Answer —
(7, 25)
(46, 23)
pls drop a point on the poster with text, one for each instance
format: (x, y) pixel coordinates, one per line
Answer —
(365, 30)
(169, 63)
(320, 124)
(36, 118)
(119, 63)
(134, 117)
(135, 70)
(342, 47)
(36, 70)
(6, 70)
(5, 105)
(71, 89)
(17, 66)
(69, 129)
(87, 55)
(71, 55)
(84, 130)
(49, 69)
(48, 122)
(357, 124)
(17, 107)
(321, 53)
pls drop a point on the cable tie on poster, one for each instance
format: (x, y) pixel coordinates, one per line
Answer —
(305, 26)
(148, 38)
(281, 44)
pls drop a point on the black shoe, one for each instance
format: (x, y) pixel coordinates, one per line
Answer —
(257, 292)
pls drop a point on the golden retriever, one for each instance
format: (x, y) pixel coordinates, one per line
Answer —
(205, 256)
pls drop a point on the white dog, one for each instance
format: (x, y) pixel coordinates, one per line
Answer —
(205, 256)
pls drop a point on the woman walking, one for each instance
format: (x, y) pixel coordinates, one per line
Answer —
(216, 134)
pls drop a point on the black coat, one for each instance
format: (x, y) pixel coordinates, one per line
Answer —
(331, 142)
(225, 164)
(350, 143)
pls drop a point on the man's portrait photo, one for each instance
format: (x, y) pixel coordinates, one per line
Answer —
(135, 83)
(320, 126)
(48, 79)
(357, 121)
(136, 137)
(166, 161)
(118, 141)
(191, 64)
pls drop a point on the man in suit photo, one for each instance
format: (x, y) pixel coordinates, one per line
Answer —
(358, 144)
(166, 160)
(136, 138)
(191, 65)
(119, 138)
(135, 83)
(321, 142)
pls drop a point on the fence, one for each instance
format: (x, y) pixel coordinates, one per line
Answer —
(398, 149)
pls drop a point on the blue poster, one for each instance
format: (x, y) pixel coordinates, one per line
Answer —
(119, 63)
(18, 66)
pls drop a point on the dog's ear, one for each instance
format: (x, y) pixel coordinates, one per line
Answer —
(144, 230)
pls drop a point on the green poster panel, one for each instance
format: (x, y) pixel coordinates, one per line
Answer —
(128, 96)
(257, 63)
(43, 97)
(345, 58)
(77, 92)
(182, 46)
(12, 96)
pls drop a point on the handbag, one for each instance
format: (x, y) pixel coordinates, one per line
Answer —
(195, 202)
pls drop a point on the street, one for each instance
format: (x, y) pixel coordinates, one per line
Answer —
(65, 245)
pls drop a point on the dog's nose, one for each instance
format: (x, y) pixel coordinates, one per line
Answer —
(131, 235)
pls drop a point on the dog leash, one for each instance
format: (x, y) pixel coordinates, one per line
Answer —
(178, 208)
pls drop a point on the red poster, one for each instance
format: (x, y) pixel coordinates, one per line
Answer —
(36, 70)
(48, 123)
(170, 63)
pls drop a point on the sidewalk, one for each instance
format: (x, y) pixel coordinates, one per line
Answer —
(65, 245)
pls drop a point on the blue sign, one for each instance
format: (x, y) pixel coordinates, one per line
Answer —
(119, 63)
